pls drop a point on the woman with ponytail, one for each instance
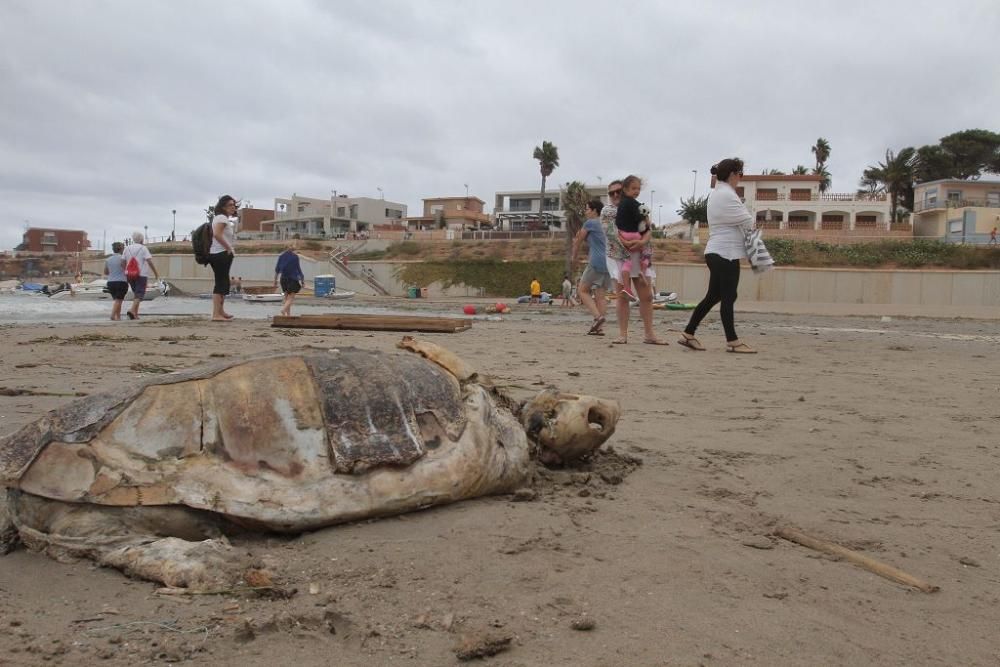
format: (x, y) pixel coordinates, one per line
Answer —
(727, 218)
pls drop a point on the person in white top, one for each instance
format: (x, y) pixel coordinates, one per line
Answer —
(140, 253)
(221, 254)
(727, 219)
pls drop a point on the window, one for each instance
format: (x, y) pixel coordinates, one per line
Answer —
(739, 192)
(767, 194)
(341, 211)
(552, 203)
(993, 199)
(930, 198)
(954, 197)
(800, 194)
(520, 204)
(393, 213)
(354, 211)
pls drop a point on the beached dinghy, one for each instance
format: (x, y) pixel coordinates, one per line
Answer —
(340, 294)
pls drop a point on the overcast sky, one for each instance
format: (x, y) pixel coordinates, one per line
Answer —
(113, 113)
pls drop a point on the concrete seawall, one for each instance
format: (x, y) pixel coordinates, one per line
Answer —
(785, 284)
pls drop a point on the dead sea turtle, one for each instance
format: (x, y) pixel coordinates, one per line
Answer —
(150, 479)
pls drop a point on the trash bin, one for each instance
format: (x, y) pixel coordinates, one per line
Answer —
(423, 292)
(412, 292)
(324, 285)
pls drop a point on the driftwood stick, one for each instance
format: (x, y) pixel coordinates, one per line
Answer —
(870, 564)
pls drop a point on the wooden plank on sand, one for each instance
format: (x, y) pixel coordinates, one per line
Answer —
(374, 323)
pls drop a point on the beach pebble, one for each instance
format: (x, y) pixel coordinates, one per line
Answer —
(758, 542)
(971, 562)
(583, 624)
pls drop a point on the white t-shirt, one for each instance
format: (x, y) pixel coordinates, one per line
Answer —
(726, 218)
(227, 233)
(142, 256)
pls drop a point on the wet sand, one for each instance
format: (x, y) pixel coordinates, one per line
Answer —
(881, 436)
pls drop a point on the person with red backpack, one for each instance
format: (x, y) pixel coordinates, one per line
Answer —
(138, 263)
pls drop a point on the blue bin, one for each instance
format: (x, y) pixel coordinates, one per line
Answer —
(324, 285)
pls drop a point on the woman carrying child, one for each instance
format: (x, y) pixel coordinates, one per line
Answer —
(629, 257)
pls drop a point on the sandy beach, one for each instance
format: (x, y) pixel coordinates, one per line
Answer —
(878, 435)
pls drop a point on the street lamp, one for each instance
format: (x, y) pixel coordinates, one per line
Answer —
(145, 236)
(651, 193)
(380, 193)
(173, 234)
(659, 218)
(694, 188)
(466, 190)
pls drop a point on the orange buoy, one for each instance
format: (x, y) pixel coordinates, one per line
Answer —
(469, 309)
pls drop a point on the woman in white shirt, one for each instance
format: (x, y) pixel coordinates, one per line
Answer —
(727, 219)
(221, 253)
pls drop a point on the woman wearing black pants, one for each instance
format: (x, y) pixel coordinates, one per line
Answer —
(221, 254)
(727, 219)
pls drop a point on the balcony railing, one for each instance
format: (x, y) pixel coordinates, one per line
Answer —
(956, 203)
(828, 197)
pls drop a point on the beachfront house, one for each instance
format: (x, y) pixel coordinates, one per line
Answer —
(333, 217)
(43, 239)
(518, 210)
(254, 221)
(457, 213)
(795, 202)
(956, 211)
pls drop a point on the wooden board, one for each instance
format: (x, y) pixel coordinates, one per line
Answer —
(374, 323)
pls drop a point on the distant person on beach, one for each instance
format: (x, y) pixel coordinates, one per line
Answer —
(289, 271)
(221, 254)
(536, 291)
(595, 280)
(114, 269)
(619, 248)
(140, 253)
(567, 292)
(993, 237)
(727, 219)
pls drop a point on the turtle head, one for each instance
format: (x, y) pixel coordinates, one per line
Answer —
(567, 427)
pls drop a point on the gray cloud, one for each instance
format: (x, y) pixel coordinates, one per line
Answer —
(113, 113)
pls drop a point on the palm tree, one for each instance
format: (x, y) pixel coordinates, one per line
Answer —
(548, 159)
(773, 172)
(894, 176)
(822, 152)
(825, 179)
(575, 199)
(800, 170)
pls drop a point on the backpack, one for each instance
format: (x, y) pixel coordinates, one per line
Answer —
(201, 242)
(132, 270)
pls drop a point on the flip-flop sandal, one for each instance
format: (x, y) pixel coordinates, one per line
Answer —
(620, 341)
(595, 333)
(596, 326)
(691, 344)
(742, 348)
(655, 341)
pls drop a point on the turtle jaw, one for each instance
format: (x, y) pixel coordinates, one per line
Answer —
(567, 427)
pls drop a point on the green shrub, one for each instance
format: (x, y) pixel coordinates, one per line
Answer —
(493, 277)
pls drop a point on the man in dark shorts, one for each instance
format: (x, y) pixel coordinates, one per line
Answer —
(289, 271)
(595, 280)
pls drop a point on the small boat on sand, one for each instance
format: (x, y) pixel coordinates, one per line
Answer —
(340, 294)
(263, 297)
(98, 289)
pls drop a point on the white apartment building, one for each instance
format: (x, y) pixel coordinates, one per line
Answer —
(332, 217)
(517, 210)
(795, 202)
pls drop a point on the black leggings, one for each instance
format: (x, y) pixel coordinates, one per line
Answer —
(724, 278)
(221, 262)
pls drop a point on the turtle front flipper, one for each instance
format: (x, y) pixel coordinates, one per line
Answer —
(441, 356)
(175, 546)
(8, 531)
